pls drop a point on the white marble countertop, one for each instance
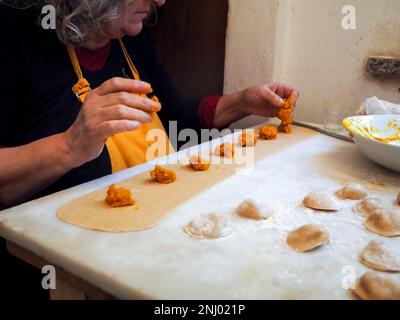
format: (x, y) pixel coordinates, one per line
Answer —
(252, 263)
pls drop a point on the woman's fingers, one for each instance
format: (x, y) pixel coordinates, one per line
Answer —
(286, 92)
(110, 128)
(129, 100)
(122, 112)
(271, 97)
(293, 97)
(123, 85)
(267, 112)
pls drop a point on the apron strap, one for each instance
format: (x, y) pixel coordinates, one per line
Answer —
(82, 87)
(129, 60)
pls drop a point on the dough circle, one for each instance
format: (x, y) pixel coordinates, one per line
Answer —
(254, 210)
(352, 192)
(380, 256)
(368, 205)
(210, 226)
(307, 238)
(374, 286)
(384, 222)
(321, 201)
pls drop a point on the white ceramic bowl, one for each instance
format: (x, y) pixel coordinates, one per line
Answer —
(378, 137)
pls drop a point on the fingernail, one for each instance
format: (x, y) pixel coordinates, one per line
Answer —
(145, 84)
(150, 90)
(132, 125)
(156, 109)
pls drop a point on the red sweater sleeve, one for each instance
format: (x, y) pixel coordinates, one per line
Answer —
(207, 109)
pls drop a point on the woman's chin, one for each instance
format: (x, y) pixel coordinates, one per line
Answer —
(133, 29)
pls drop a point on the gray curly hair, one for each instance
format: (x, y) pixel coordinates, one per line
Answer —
(77, 19)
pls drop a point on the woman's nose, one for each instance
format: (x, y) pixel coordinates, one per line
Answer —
(159, 3)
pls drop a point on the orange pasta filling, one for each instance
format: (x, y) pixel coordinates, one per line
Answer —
(163, 175)
(119, 197)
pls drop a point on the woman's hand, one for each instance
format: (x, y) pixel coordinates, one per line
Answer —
(262, 100)
(265, 100)
(108, 110)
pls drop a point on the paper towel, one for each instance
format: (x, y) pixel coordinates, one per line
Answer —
(375, 106)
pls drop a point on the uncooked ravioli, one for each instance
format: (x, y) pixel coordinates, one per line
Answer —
(385, 222)
(352, 192)
(381, 255)
(254, 210)
(321, 201)
(209, 226)
(307, 238)
(368, 205)
(374, 286)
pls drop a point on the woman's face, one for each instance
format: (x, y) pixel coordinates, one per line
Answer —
(133, 13)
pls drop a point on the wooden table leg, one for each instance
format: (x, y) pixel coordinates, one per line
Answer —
(68, 286)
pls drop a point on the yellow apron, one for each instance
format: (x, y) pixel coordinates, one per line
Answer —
(131, 148)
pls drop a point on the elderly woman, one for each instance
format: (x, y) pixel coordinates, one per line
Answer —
(76, 103)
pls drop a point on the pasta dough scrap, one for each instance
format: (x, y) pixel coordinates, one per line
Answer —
(254, 210)
(268, 132)
(248, 138)
(163, 175)
(384, 222)
(374, 286)
(381, 256)
(368, 205)
(119, 197)
(197, 163)
(352, 192)
(210, 226)
(307, 238)
(226, 150)
(321, 201)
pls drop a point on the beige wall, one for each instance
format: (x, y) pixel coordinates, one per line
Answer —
(301, 42)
